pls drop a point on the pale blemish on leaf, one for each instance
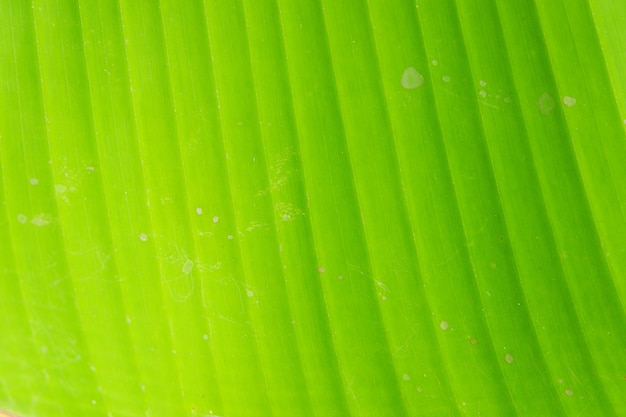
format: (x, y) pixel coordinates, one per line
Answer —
(569, 392)
(41, 220)
(187, 267)
(287, 211)
(508, 358)
(545, 103)
(446, 78)
(22, 218)
(199, 211)
(569, 101)
(143, 237)
(444, 325)
(33, 181)
(411, 79)
(382, 290)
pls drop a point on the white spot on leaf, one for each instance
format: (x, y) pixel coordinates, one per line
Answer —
(545, 103)
(41, 220)
(22, 218)
(569, 101)
(411, 79)
(444, 325)
(198, 211)
(143, 237)
(187, 267)
(508, 358)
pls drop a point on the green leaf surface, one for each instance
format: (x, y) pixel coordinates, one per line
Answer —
(312, 208)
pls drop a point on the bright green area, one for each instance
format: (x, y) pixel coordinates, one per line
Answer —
(312, 208)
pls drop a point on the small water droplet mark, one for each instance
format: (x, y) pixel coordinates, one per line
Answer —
(508, 358)
(187, 267)
(569, 392)
(205, 336)
(411, 79)
(40, 220)
(250, 293)
(569, 101)
(22, 218)
(482, 83)
(545, 103)
(482, 93)
(143, 237)
(216, 219)
(199, 211)
(444, 325)
(446, 78)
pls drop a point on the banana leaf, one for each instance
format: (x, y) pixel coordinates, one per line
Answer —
(242, 208)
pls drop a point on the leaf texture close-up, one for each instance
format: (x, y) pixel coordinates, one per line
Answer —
(312, 208)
